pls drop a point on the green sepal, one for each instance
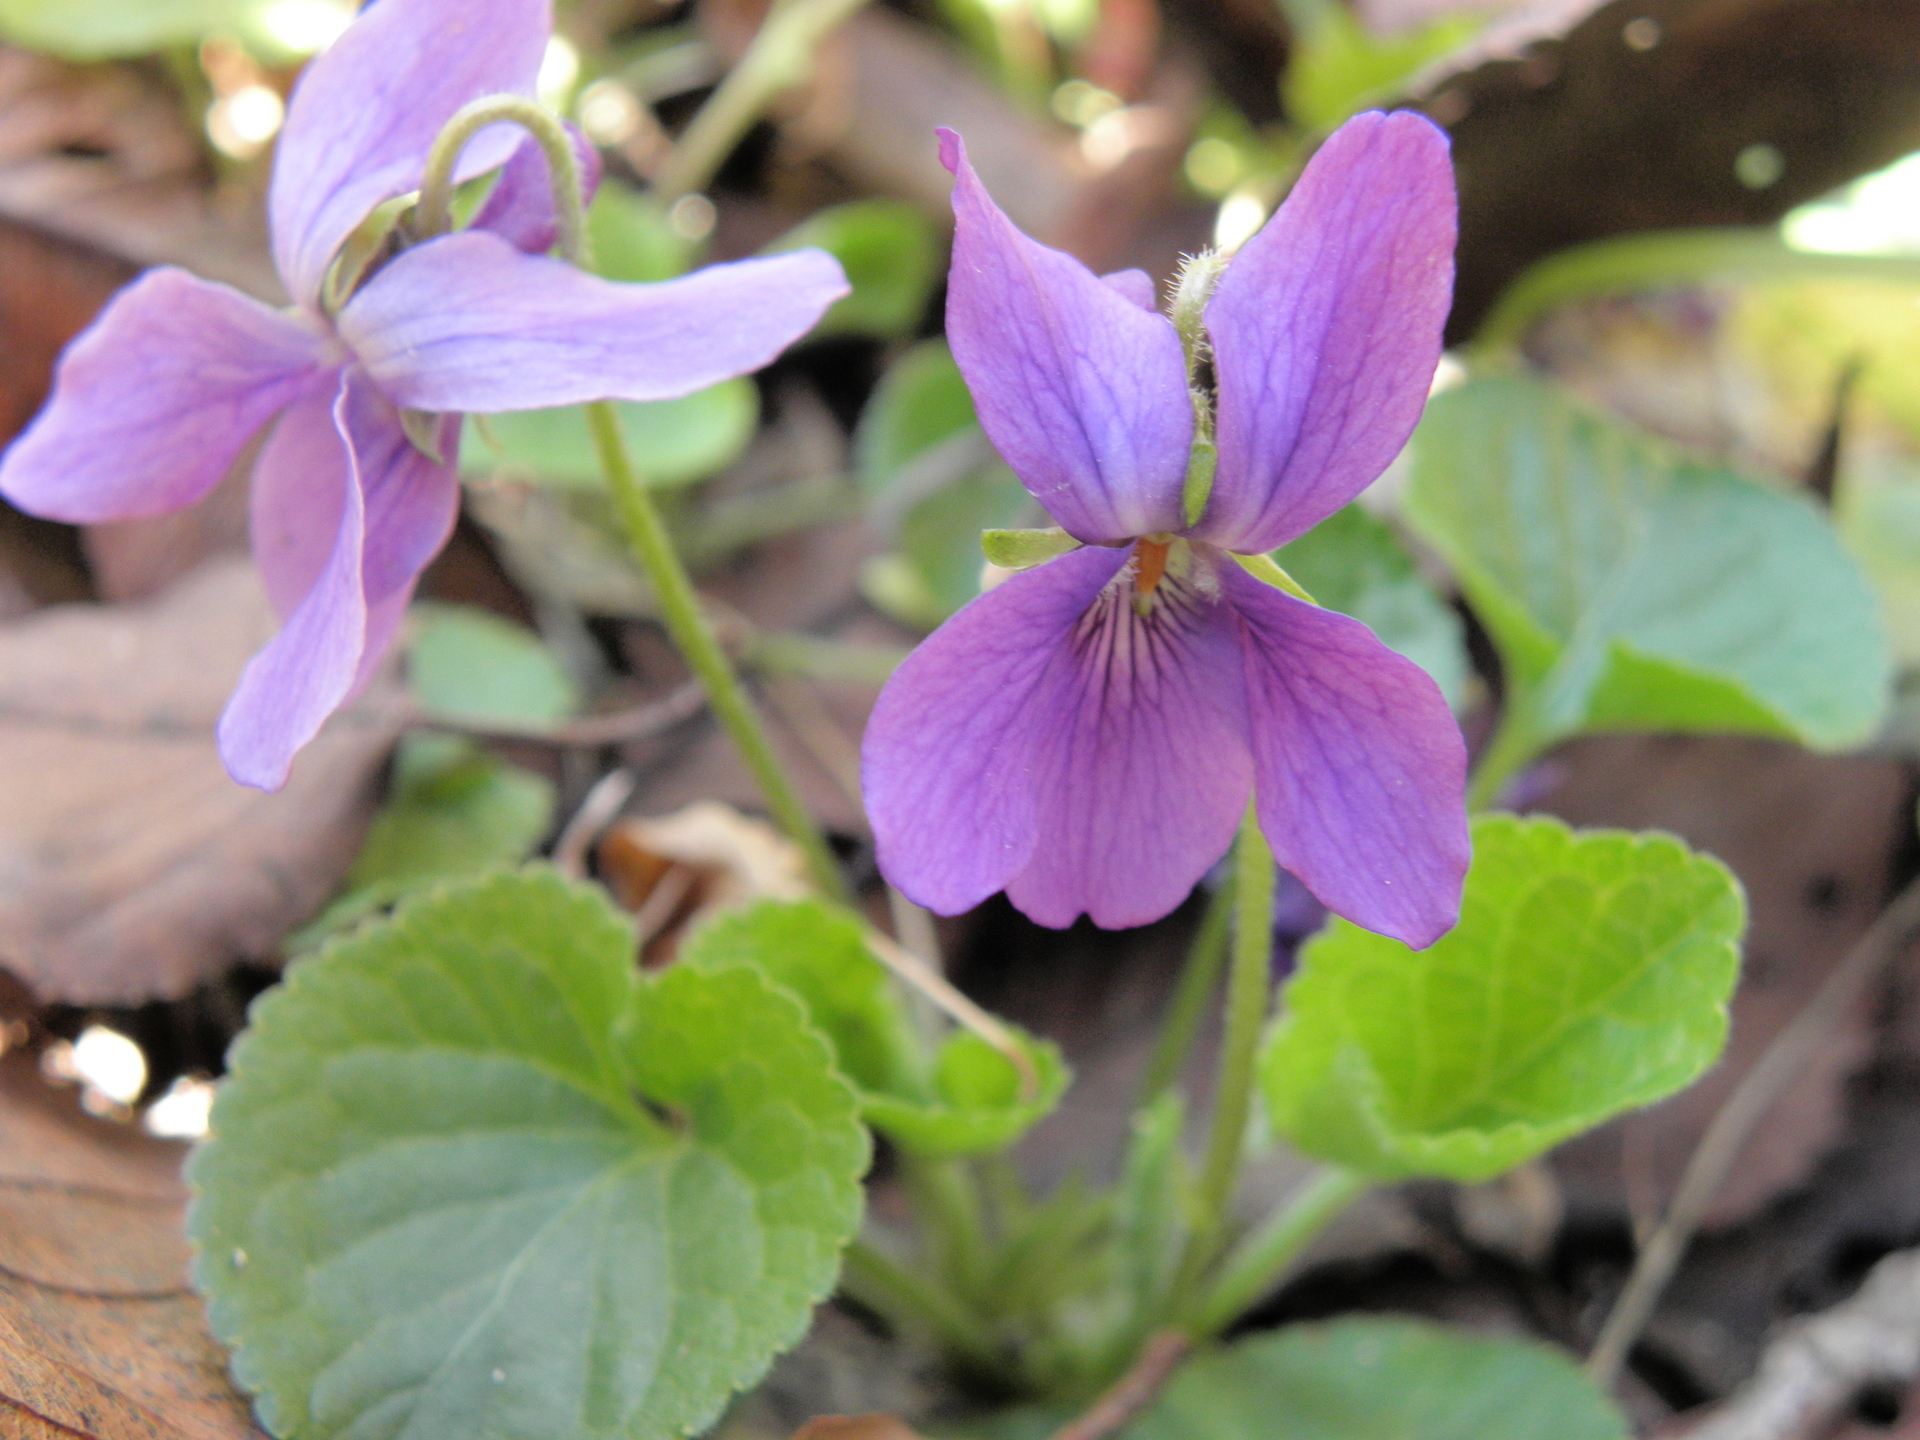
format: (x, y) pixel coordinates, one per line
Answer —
(1198, 486)
(1267, 570)
(1023, 549)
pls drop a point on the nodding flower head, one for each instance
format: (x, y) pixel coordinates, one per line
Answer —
(1086, 735)
(361, 385)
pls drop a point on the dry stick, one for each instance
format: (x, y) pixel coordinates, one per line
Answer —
(940, 990)
(641, 722)
(1132, 1392)
(1779, 1065)
(604, 801)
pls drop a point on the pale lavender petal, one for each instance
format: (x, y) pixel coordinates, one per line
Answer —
(393, 512)
(153, 402)
(1081, 390)
(469, 323)
(520, 209)
(299, 484)
(1136, 285)
(366, 112)
(1049, 741)
(1359, 768)
(1326, 330)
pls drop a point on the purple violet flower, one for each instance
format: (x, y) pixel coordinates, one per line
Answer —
(155, 401)
(1085, 736)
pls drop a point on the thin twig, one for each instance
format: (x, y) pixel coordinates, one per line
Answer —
(639, 722)
(1814, 1370)
(937, 988)
(1778, 1067)
(1132, 1392)
(596, 812)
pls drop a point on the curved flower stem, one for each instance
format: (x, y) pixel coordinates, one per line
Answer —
(1249, 992)
(434, 210)
(1516, 744)
(694, 638)
(1259, 1260)
(1132, 1392)
(777, 59)
(1198, 977)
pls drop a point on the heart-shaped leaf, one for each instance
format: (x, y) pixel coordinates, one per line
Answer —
(1363, 1378)
(1629, 588)
(1589, 974)
(968, 1101)
(471, 1175)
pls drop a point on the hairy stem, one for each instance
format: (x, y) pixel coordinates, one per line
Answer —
(434, 211)
(694, 637)
(1249, 991)
(1258, 1261)
(777, 60)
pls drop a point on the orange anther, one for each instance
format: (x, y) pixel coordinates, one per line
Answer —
(1150, 563)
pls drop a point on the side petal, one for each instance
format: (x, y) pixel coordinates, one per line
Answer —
(519, 208)
(1359, 769)
(1326, 330)
(394, 509)
(469, 323)
(154, 401)
(366, 112)
(300, 483)
(1081, 389)
(1048, 741)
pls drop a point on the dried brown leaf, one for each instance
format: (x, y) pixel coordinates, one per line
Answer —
(131, 866)
(99, 1334)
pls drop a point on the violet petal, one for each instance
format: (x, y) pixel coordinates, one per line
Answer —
(1048, 741)
(1326, 329)
(299, 484)
(469, 323)
(394, 512)
(1136, 285)
(153, 402)
(1081, 390)
(367, 111)
(519, 208)
(1360, 771)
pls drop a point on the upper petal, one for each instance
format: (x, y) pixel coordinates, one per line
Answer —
(392, 510)
(153, 402)
(1360, 771)
(1080, 388)
(519, 208)
(1050, 741)
(469, 323)
(1326, 329)
(366, 112)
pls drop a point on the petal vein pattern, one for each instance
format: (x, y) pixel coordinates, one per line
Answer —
(156, 399)
(1326, 330)
(1051, 741)
(1081, 389)
(469, 323)
(1359, 768)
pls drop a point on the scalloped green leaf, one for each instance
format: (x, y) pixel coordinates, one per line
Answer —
(1371, 1377)
(1589, 975)
(1629, 588)
(471, 1175)
(1352, 562)
(967, 1101)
